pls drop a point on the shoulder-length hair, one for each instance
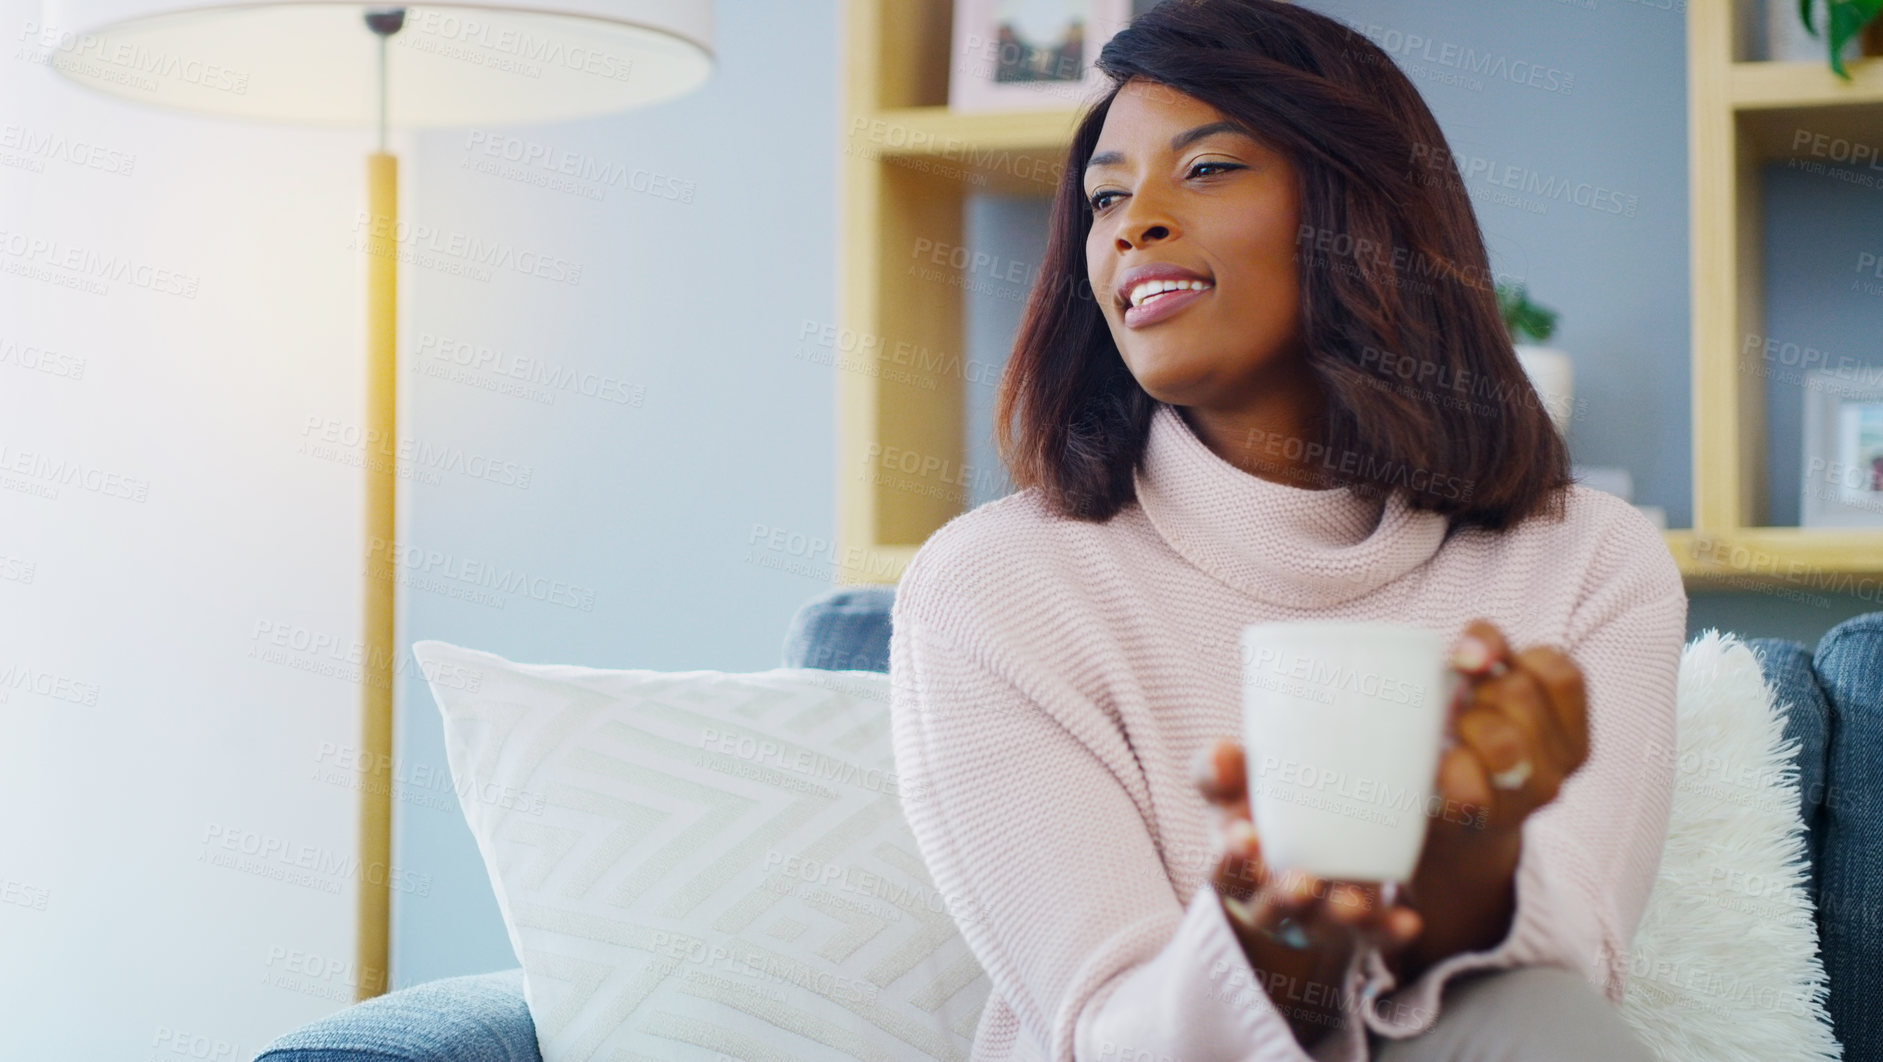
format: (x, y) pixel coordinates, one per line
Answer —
(1401, 324)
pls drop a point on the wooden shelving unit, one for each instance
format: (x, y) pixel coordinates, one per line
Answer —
(1742, 115)
(908, 164)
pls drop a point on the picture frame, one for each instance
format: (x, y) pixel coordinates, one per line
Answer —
(1016, 55)
(1842, 480)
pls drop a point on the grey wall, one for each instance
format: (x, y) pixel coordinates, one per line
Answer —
(655, 510)
(1822, 309)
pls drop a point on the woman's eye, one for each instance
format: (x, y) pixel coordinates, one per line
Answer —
(1102, 200)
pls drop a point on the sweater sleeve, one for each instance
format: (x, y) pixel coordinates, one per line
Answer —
(1074, 915)
(1589, 857)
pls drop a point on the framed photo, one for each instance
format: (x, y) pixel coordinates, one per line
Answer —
(1843, 451)
(1023, 55)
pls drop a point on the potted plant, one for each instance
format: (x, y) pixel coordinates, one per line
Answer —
(1845, 21)
(1851, 28)
(1549, 369)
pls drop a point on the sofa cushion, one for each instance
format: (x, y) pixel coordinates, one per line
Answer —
(1849, 666)
(705, 864)
(1724, 964)
(481, 1018)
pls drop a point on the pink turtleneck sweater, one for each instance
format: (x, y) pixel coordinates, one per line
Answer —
(1052, 679)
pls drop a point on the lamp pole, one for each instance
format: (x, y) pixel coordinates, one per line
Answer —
(382, 494)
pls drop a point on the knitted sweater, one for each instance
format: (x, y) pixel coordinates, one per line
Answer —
(1052, 678)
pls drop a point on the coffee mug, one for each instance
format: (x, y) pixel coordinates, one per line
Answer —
(1343, 725)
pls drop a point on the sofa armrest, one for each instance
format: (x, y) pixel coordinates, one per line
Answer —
(481, 1018)
(1788, 670)
(1849, 665)
(845, 628)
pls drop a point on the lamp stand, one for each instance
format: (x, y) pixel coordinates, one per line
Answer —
(380, 596)
(378, 652)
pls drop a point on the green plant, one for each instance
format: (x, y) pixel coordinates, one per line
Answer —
(1523, 317)
(1844, 21)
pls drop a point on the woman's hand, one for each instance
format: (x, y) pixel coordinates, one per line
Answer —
(1521, 726)
(1297, 930)
(1518, 727)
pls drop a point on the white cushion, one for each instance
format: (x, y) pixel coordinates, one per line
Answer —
(1724, 966)
(695, 865)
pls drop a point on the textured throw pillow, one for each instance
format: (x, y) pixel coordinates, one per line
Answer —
(1724, 966)
(700, 866)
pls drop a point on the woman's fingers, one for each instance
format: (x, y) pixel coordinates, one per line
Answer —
(1518, 727)
(1480, 648)
(1463, 780)
(1521, 727)
(1217, 770)
(1560, 681)
(1399, 927)
(1240, 871)
(1218, 773)
(1284, 898)
(1483, 655)
(1509, 723)
(1350, 905)
(1323, 910)
(1479, 652)
(1363, 909)
(1532, 773)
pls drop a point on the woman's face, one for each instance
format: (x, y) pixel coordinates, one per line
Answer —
(1179, 194)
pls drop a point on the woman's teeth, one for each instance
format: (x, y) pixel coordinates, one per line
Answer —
(1151, 288)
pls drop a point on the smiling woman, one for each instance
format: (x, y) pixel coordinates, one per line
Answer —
(1250, 388)
(1295, 200)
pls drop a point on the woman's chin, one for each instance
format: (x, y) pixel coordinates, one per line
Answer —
(1171, 378)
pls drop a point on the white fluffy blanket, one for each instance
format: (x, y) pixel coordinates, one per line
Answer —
(1724, 966)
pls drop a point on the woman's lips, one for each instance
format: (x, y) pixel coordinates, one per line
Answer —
(1158, 307)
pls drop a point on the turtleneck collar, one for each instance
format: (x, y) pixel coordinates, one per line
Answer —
(1287, 545)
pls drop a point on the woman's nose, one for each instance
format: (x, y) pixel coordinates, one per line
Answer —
(1145, 221)
(1144, 234)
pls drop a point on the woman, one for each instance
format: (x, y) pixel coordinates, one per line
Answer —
(1263, 377)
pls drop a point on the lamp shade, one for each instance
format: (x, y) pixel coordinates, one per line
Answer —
(522, 61)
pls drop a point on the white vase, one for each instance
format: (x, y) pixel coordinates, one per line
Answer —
(1554, 377)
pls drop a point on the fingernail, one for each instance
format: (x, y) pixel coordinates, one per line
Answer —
(1242, 837)
(1239, 910)
(1471, 654)
(1203, 766)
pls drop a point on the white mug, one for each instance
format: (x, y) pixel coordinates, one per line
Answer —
(1343, 725)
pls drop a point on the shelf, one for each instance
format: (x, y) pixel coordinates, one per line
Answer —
(1803, 111)
(1810, 559)
(1768, 86)
(938, 130)
(1019, 153)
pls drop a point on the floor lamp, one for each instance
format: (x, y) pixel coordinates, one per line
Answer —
(346, 64)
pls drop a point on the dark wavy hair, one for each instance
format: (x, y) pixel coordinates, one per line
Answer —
(1423, 389)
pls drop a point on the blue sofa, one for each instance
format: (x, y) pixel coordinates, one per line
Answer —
(1835, 694)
